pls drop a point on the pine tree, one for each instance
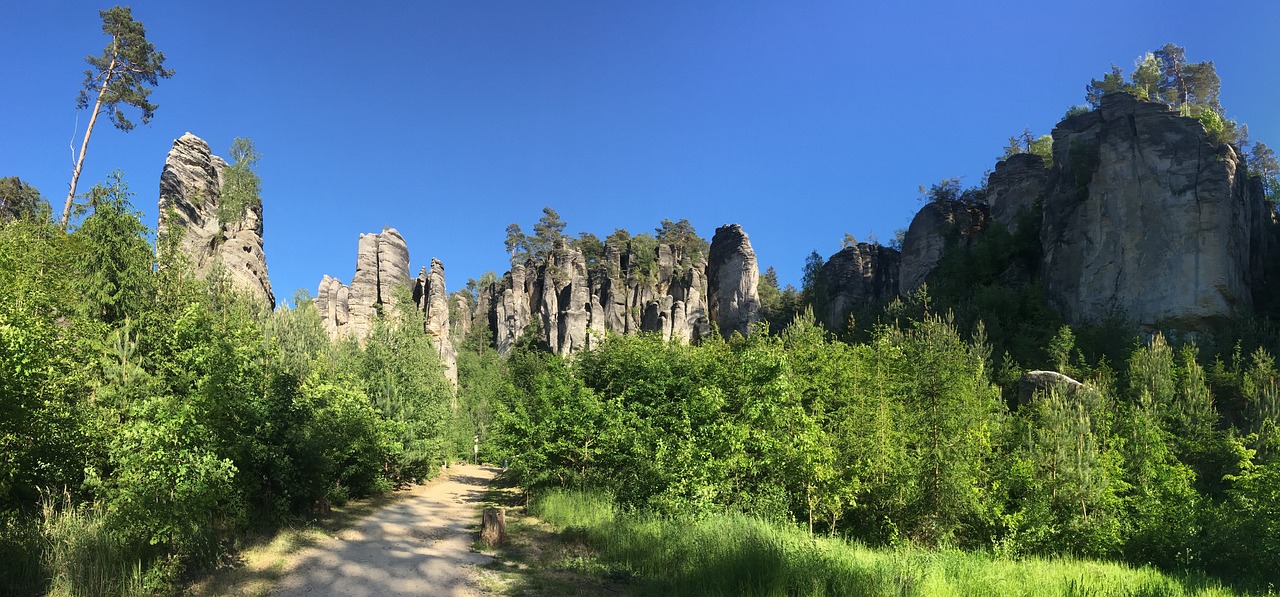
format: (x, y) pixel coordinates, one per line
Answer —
(124, 74)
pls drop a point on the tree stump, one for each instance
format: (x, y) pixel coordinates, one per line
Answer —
(493, 529)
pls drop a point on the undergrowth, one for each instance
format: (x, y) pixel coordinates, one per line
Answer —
(722, 554)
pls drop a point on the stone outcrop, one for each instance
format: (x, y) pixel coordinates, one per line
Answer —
(382, 270)
(858, 275)
(569, 303)
(1039, 382)
(333, 304)
(926, 240)
(1146, 217)
(1014, 186)
(732, 279)
(191, 188)
(432, 299)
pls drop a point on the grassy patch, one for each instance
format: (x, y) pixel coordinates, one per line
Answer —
(540, 559)
(736, 555)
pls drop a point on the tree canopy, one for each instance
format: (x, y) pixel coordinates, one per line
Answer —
(122, 76)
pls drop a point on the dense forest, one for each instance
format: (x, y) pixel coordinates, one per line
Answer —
(152, 420)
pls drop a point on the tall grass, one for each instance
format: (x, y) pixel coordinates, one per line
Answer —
(22, 570)
(83, 556)
(724, 554)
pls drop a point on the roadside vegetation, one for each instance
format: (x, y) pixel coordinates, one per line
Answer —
(152, 423)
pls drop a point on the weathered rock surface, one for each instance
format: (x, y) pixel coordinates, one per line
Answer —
(1145, 216)
(925, 242)
(571, 303)
(190, 190)
(1014, 186)
(332, 302)
(858, 275)
(432, 299)
(382, 269)
(732, 279)
(1038, 382)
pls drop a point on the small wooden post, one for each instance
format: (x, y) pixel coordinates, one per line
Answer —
(493, 529)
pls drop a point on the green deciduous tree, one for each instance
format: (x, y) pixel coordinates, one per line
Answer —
(123, 75)
(241, 186)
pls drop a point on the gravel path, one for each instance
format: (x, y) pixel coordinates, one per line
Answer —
(420, 545)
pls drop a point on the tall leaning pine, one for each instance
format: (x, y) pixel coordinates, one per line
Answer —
(123, 74)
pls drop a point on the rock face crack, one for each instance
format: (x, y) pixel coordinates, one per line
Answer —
(1173, 215)
(673, 291)
(382, 267)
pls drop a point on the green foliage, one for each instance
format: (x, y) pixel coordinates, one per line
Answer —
(1263, 164)
(241, 187)
(20, 200)
(517, 244)
(726, 554)
(1027, 142)
(125, 72)
(401, 373)
(178, 415)
(1084, 159)
(683, 240)
(778, 306)
(117, 257)
(1165, 76)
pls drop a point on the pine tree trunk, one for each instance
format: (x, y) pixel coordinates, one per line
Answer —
(84, 146)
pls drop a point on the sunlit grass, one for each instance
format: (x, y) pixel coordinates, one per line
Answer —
(737, 555)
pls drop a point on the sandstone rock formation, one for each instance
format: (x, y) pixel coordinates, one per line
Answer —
(926, 239)
(1014, 186)
(432, 299)
(382, 268)
(732, 279)
(1145, 215)
(858, 275)
(569, 303)
(190, 190)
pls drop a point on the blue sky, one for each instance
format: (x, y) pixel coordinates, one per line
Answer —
(449, 120)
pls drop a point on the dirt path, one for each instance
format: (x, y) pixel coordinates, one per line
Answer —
(421, 545)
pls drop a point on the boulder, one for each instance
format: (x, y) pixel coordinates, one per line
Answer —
(1033, 383)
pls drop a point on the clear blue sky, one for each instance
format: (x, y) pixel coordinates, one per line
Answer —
(449, 120)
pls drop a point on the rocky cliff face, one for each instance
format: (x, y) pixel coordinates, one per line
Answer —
(1014, 186)
(926, 239)
(382, 267)
(432, 299)
(1144, 215)
(570, 304)
(190, 190)
(857, 275)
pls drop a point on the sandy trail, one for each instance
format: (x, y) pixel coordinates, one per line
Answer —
(420, 545)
